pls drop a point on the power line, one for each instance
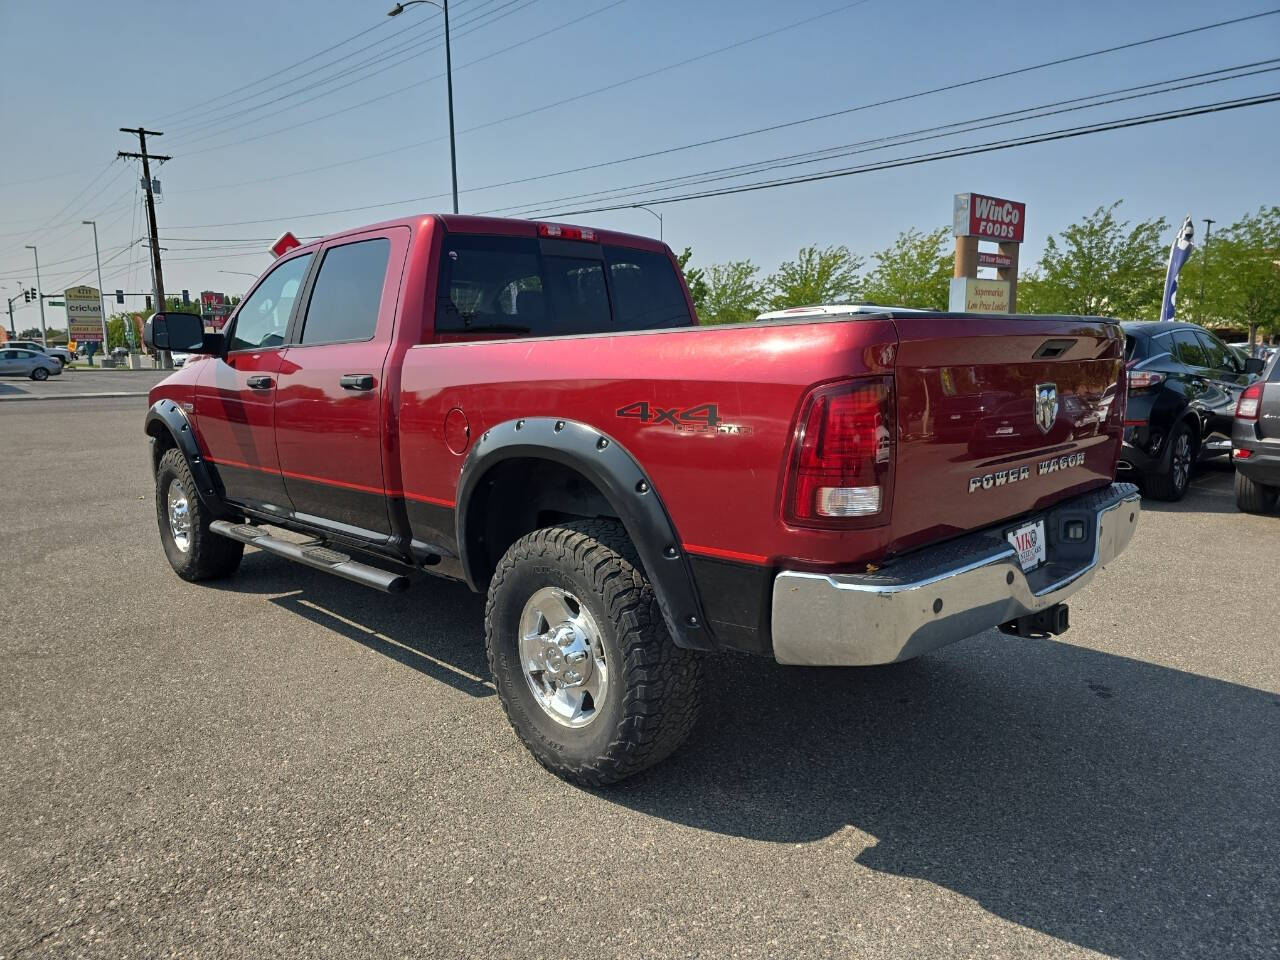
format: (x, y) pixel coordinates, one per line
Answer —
(611, 86)
(915, 136)
(382, 67)
(1054, 135)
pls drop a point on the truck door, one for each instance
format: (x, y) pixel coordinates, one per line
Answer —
(329, 406)
(235, 394)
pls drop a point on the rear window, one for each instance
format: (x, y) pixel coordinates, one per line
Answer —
(525, 286)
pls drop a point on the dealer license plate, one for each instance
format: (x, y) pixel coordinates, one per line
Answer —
(1028, 540)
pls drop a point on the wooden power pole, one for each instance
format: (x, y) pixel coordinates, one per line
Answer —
(157, 272)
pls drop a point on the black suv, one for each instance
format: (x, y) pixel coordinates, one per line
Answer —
(1184, 384)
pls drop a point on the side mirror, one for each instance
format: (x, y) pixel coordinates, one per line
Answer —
(1254, 365)
(181, 332)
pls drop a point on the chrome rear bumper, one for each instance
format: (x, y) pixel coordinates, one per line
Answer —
(941, 594)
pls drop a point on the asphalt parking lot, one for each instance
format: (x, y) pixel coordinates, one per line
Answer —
(288, 765)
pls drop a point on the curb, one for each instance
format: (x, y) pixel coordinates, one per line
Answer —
(72, 396)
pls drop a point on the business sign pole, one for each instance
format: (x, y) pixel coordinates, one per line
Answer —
(979, 217)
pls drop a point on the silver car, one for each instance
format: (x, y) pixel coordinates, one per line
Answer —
(28, 363)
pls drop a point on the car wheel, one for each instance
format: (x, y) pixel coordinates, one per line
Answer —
(195, 552)
(39, 373)
(1171, 483)
(1254, 497)
(584, 666)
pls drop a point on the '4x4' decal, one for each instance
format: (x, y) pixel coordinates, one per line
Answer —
(697, 419)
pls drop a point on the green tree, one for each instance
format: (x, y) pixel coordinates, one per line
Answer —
(915, 271)
(1101, 265)
(734, 292)
(816, 276)
(695, 278)
(1242, 286)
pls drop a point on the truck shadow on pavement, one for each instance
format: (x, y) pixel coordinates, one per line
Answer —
(437, 628)
(1116, 804)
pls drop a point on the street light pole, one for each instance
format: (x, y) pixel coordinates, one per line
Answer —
(102, 303)
(656, 214)
(44, 334)
(448, 76)
(1204, 268)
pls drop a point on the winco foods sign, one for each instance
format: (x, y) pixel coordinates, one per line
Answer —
(989, 218)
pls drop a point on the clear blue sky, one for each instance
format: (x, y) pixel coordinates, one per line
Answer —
(75, 71)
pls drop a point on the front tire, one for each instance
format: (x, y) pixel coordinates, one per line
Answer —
(586, 670)
(1254, 497)
(195, 552)
(1171, 483)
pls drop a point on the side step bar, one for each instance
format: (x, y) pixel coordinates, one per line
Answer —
(313, 555)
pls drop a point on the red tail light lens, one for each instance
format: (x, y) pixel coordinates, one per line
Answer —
(842, 463)
(1250, 401)
(1142, 379)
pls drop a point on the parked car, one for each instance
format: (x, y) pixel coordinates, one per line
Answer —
(1183, 385)
(531, 408)
(1255, 441)
(28, 363)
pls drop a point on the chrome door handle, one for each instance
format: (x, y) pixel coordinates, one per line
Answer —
(259, 383)
(356, 381)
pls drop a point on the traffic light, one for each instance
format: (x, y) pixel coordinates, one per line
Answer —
(148, 302)
(120, 296)
(26, 295)
(186, 298)
(35, 295)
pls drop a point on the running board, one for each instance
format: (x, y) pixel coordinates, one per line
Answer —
(314, 556)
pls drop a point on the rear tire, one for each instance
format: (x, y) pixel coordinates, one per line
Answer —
(1171, 483)
(39, 373)
(648, 689)
(195, 552)
(1254, 497)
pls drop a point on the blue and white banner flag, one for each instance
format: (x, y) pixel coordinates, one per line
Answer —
(1178, 254)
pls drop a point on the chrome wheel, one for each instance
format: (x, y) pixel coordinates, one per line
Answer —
(179, 515)
(1181, 461)
(563, 657)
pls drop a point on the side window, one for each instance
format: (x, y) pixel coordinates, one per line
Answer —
(1187, 349)
(646, 292)
(264, 315)
(1217, 354)
(347, 293)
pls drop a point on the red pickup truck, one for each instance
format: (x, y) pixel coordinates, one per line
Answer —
(532, 409)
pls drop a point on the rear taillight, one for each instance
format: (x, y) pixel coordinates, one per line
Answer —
(565, 233)
(1142, 379)
(1250, 401)
(842, 461)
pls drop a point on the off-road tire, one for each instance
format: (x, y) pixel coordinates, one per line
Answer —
(209, 556)
(39, 373)
(1254, 497)
(1165, 485)
(654, 694)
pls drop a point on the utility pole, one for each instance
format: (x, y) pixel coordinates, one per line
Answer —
(44, 334)
(13, 331)
(1204, 268)
(165, 361)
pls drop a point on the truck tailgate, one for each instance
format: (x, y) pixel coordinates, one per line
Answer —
(1000, 416)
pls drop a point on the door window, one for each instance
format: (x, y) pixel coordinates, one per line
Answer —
(1217, 354)
(263, 318)
(347, 293)
(1188, 349)
(646, 292)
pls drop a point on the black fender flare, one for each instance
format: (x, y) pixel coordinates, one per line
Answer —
(169, 417)
(618, 476)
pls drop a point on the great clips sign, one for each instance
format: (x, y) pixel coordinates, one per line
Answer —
(989, 218)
